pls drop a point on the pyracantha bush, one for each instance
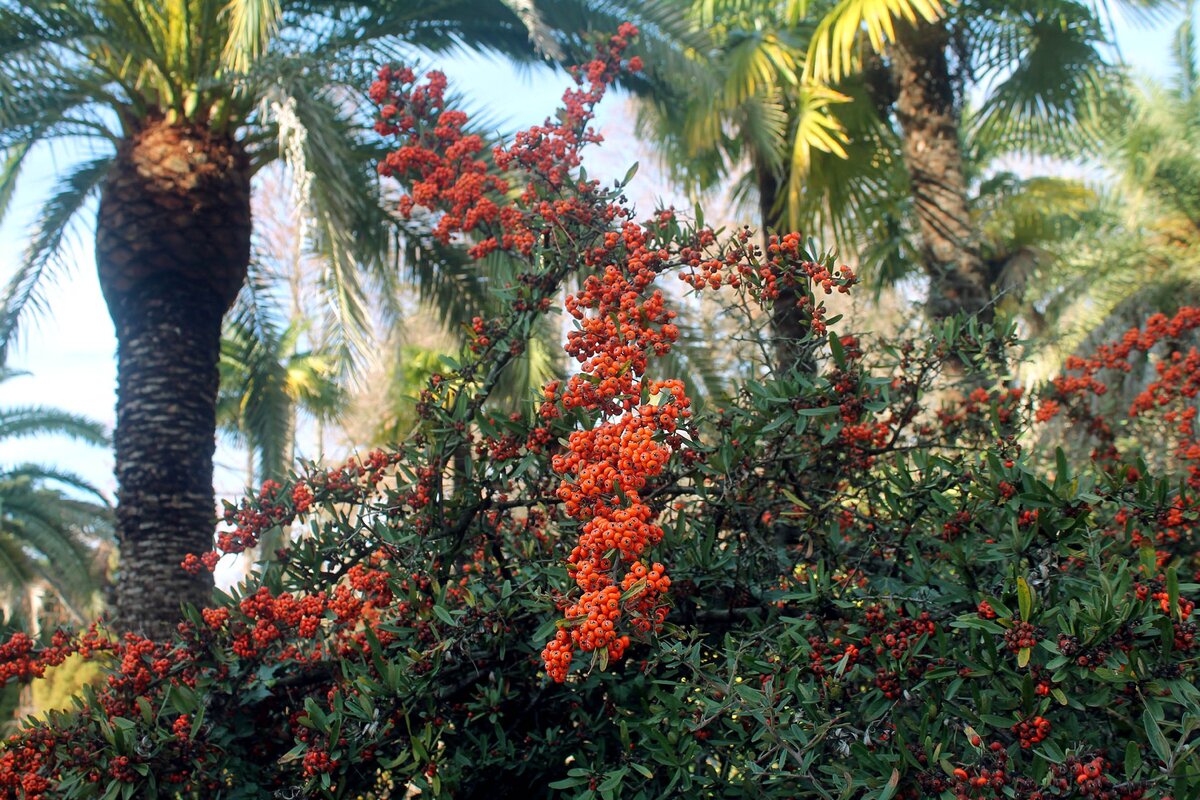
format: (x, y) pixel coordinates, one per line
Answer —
(840, 581)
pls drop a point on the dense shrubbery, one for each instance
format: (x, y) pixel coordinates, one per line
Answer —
(872, 592)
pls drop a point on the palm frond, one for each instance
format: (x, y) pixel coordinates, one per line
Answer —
(23, 421)
(1047, 73)
(832, 52)
(24, 293)
(34, 516)
(251, 25)
(814, 129)
(10, 170)
(254, 383)
(42, 474)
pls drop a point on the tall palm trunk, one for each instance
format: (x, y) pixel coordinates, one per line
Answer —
(788, 325)
(172, 247)
(930, 122)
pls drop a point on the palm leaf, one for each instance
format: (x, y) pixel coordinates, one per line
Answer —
(1047, 73)
(41, 420)
(10, 170)
(831, 54)
(42, 474)
(251, 25)
(24, 293)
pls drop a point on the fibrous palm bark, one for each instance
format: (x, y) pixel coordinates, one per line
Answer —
(930, 122)
(172, 249)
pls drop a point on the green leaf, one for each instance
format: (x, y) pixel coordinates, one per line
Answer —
(1133, 760)
(144, 706)
(1173, 593)
(1024, 598)
(613, 780)
(569, 783)
(633, 170)
(1155, 736)
(890, 789)
(839, 352)
(1023, 657)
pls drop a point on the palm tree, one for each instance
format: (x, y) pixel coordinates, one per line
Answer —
(850, 117)
(53, 524)
(181, 104)
(754, 113)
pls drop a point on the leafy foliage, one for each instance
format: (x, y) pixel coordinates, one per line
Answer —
(872, 595)
(55, 527)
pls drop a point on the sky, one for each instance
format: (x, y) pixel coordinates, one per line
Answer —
(70, 352)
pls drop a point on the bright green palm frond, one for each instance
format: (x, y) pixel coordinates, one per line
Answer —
(832, 52)
(856, 198)
(814, 129)
(251, 25)
(755, 63)
(24, 293)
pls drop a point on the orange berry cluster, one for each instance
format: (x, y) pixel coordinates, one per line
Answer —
(444, 164)
(622, 323)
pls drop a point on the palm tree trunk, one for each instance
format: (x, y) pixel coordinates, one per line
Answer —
(172, 247)
(789, 329)
(931, 123)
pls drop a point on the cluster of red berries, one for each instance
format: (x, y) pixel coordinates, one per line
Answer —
(989, 777)
(605, 469)
(274, 506)
(1022, 635)
(1031, 731)
(783, 270)
(1172, 393)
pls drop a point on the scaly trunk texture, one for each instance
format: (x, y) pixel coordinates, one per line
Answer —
(788, 325)
(172, 248)
(930, 121)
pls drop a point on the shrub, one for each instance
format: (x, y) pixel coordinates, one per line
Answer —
(828, 585)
